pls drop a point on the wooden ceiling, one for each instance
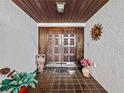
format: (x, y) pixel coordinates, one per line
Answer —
(75, 10)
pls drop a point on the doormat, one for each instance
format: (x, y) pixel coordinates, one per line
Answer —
(60, 70)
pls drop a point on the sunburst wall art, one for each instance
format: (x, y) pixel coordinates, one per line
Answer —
(96, 32)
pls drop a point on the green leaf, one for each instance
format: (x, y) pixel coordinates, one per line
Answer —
(35, 81)
(20, 82)
(6, 81)
(15, 90)
(3, 89)
(16, 77)
(13, 83)
(32, 85)
(5, 84)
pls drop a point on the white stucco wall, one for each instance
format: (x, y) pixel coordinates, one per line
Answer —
(108, 52)
(18, 38)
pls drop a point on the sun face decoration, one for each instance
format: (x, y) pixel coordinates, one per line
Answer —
(96, 32)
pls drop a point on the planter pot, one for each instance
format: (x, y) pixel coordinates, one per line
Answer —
(86, 72)
(23, 90)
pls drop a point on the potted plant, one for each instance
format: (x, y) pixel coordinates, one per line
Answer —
(86, 67)
(19, 82)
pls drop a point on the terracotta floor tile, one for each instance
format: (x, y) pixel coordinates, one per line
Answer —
(81, 81)
(91, 86)
(102, 91)
(86, 91)
(98, 86)
(74, 81)
(50, 81)
(69, 81)
(95, 91)
(77, 86)
(62, 91)
(88, 81)
(84, 86)
(54, 91)
(55, 87)
(70, 86)
(70, 91)
(78, 91)
(63, 86)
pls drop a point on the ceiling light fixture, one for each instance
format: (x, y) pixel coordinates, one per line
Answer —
(60, 6)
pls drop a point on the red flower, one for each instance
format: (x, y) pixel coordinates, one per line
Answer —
(85, 62)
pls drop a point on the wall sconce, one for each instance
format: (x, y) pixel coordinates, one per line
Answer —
(60, 7)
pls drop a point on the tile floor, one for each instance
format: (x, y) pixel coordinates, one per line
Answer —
(65, 80)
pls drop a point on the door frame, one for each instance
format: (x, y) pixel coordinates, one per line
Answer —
(77, 37)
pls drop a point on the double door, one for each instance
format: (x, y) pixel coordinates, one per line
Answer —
(61, 46)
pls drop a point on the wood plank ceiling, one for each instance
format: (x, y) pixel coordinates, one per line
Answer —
(44, 11)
